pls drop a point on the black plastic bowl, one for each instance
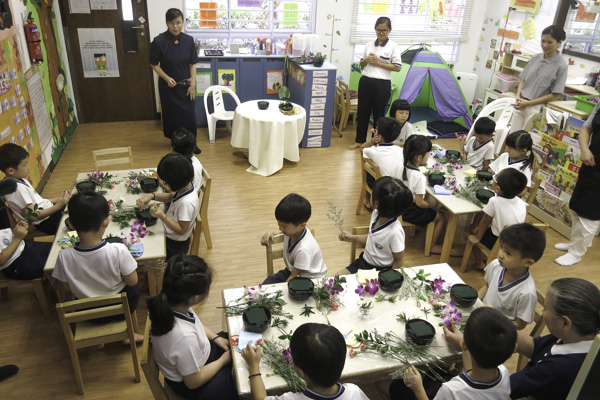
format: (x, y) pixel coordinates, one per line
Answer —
(390, 280)
(484, 176)
(86, 186)
(436, 179)
(256, 319)
(149, 185)
(484, 195)
(463, 295)
(113, 239)
(453, 154)
(145, 216)
(300, 288)
(263, 105)
(419, 331)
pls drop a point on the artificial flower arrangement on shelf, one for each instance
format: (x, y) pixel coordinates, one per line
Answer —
(132, 183)
(316, 59)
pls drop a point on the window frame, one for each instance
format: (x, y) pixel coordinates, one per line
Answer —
(560, 19)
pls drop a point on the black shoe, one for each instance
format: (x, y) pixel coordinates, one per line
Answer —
(197, 150)
(7, 371)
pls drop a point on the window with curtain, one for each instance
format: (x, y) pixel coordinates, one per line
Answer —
(581, 22)
(248, 19)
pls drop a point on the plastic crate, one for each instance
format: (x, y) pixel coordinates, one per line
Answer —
(504, 83)
(584, 105)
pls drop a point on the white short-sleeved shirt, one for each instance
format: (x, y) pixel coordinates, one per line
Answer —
(516, 299)
(541, 77)
(305, 255)
(94, 271)
(24, 195)
(197, 182)
(462, 387)
(184, 349)
(388, 157)
(346, 391)
(415, 181)
(505, 212)
(6, 237)
(383, 241)
(184, 207)
(476, 155)
(405, 132)
(504, 161)
(388, 53)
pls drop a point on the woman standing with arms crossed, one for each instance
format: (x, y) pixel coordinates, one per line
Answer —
(542, 80)
(380, 58)
(173, 57)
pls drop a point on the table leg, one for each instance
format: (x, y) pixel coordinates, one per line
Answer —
(449, 238)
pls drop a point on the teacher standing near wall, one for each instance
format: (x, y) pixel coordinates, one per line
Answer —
(542, 80)
(173, 57)
(380, 58)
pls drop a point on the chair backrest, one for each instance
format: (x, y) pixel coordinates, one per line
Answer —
(202, 217)
(534, 189)
(586, 383)
(124, 153)
(218, 98)
(537, 329)
(357, 230)
(345, 95)
(370, 167)
(502, 111)
(275, 253)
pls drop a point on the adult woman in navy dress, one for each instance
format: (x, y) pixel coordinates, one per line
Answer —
(173, 57)
(380, 58)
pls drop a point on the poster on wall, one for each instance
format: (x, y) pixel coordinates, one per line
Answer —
(274, 81)
(531, 6)
(40, 113)
(227, 78)
(103, 4)
(98, 52)
(203, 82)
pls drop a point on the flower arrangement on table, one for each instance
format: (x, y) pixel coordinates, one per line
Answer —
(258, 297)
(132, 183)
(469, 189)
(138, 231)
(123, 215)
(279, 359)
(103, 179)
(326, 294)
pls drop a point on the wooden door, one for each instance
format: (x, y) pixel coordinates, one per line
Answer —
(129, 97)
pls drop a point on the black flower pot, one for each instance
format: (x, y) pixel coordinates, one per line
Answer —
(436, 179)
(390, 280)
(149, 185)
(318, 63)
(453, 154)
(146, 217)
(463, 295)
(86, 186)
(484, 176)
(419, 331)
(256, 319)
(263, 105)
(113, 239)
(484, 195)
(300, 288)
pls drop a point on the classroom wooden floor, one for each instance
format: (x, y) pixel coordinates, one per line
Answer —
(241, 210)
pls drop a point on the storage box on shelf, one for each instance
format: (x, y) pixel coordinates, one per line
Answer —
(505, 83)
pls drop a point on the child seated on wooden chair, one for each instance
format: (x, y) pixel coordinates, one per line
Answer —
(301, 252)
(479, 148)
(184, 142)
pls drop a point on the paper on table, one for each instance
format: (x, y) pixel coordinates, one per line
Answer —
(363, 274)
(246, 337)
(423, 169)
(470, 172)
(438, 189)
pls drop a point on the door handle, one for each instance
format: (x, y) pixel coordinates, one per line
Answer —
(138, 27)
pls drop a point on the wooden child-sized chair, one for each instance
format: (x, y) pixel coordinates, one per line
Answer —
(273, 254)
(74, 319)
(350, 104)
(367, 167)
(538, 327)
(490, 254)
(124, 154)
(201, 223)
(159, 390)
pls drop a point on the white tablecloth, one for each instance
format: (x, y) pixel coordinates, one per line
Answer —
(154, 246)
(383, 317)
(269, 135)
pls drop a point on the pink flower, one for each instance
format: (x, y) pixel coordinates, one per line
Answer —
(352, 353)
(335, 306)
(363, 347)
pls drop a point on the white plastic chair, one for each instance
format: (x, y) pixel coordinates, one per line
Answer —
(219, 112)
(502, 110)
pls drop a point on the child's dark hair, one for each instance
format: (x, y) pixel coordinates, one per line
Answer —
(525, 238)
(521, 140)
(176, 170)
(319, 350)
(183, 142)
(185, 277)
(173, 13)
(399, 104)
(293, 209)
(511, 181)
(579, 300)
(490, 337)
(415, 145)
(11, 156)
(388, 128)
(87, 211)
(384, 20)
(391, 197)
(484, 126)
(557, 32)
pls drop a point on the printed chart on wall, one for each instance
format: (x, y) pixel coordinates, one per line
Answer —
(98, 52)
(16, 116)
(227, 78)
(203, 82)
(316, 117)
(274, 81)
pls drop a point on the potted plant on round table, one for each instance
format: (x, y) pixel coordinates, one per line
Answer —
(284, 95)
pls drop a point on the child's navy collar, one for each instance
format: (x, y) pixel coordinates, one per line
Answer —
(317, 396)
(183, 316)
(180, 195)
(520, 160)
(291, 246)
(93, 248)
(413, 168)
(512, 284)
(480, 385)
(382, 226)
(475, 147)
(386, 144)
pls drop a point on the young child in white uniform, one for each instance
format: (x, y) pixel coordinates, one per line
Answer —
(194, 359)
(184, 142)
(509, 285)
(518, 155)
(301, 252)
(384, 244)
(382, 151)
(319, 354)
(400, 110)
(479, 148)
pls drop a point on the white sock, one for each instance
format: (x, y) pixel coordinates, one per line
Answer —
(563, 246)
(567, 260)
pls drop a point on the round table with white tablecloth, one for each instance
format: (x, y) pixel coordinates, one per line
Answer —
(269, 135)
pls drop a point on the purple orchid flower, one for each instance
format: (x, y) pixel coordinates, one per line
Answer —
(437, 285)
(287, 354)
(372, 287)
(360, 290)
